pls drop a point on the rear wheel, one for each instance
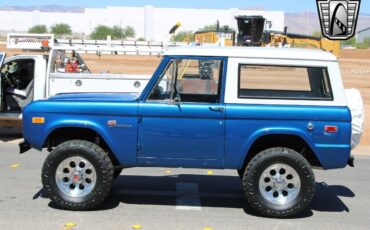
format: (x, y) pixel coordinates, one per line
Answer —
(279, 182)
(77, 175)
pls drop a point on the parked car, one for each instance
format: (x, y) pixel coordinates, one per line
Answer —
(271, 114)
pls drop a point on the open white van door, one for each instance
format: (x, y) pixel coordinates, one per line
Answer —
(2, 57)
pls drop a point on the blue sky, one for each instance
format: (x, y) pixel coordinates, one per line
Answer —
(284, 5)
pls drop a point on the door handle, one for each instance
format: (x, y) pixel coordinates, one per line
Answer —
(216, 108)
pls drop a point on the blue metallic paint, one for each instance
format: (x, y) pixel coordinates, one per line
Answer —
(189, 135)
(96, 97)
(182, 131)
(177, 133)
(89, 115)
(245, 124)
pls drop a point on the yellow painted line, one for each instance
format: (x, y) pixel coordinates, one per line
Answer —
(137, 226)
(209, 172)
(207, 228)
(69, 226)
(14, 166)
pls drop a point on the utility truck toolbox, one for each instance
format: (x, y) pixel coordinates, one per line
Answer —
(271, 114)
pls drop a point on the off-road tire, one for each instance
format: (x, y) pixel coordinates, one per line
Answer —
(262, 161)
(98, 158)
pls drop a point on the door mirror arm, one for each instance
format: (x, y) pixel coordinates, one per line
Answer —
(176, 100)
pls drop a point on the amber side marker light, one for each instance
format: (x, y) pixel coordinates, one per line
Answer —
(331, 129)
(38, 120)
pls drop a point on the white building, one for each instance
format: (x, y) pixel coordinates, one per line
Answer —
(149, 22)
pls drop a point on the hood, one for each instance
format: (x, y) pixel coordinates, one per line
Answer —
(95, 97)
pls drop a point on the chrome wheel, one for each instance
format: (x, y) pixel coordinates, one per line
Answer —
(279, 184)
(75, 177)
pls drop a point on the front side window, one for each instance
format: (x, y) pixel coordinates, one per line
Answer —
(189, 80)
(18, 74)
(284, 82)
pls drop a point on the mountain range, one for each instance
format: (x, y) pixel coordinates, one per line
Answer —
(308, 22)
(46, 8)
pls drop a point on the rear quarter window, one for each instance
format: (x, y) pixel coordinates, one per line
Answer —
(284, 82)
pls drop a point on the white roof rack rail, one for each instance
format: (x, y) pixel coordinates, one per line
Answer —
(45, 42)
(30, 41)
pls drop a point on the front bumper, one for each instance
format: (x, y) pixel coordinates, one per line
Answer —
(24, 147)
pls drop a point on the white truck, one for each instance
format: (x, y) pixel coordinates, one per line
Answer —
(29, 77)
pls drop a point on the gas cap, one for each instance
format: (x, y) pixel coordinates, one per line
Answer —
(310, 126)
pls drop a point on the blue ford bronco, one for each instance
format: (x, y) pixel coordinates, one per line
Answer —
(271, 114)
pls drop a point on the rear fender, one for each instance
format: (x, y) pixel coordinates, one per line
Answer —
(273, 131)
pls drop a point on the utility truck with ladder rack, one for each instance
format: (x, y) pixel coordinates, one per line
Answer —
(48, 68)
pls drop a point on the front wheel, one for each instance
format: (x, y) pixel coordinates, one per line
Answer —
(279, 182)
(77, 175)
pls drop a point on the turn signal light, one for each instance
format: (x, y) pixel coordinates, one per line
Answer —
(331, 129)
(38, 120)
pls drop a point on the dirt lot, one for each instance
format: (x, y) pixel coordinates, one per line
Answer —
(355, 66)
(122, 64)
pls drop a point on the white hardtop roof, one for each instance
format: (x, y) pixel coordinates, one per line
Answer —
(253, 52)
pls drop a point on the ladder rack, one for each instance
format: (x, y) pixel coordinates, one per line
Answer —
(29, 41)
(38, 42)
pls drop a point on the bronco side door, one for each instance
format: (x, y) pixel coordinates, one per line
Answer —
(181, 119)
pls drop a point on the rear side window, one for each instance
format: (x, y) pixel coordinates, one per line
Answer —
(284, 82)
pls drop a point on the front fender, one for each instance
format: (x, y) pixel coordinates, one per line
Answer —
(53, 126)
(121, 141)
(41, 132)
